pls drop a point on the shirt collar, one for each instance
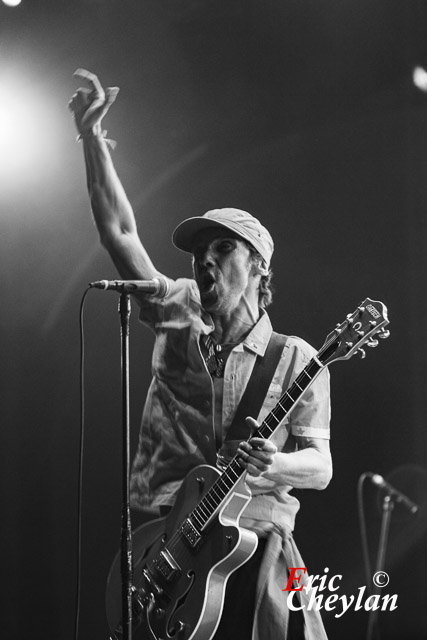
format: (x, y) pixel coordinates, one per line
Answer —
(257, 340)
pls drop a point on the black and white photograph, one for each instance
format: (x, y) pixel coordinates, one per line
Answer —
(213, 229)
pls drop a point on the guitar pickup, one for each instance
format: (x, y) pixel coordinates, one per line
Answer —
(190, 533)
(165, 564)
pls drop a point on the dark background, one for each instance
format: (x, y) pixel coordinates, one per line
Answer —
(301, 111)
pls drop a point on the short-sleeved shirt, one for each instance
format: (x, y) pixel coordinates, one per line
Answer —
(178, 430)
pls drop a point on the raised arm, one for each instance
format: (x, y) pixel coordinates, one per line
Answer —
(111, 208)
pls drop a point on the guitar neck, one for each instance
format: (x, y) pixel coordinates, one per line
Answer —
(221, 489)
(358, 329)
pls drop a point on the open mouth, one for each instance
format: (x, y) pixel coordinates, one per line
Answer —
(207, 283)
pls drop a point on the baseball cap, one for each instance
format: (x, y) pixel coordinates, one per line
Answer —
(239, 222)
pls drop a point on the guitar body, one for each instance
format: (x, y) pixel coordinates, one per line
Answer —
(180, 575)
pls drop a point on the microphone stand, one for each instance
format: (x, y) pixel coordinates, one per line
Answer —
(387, 508)
(126, 528)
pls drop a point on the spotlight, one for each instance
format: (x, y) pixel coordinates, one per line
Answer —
(419, 78)
(12, 3)
(21, 127)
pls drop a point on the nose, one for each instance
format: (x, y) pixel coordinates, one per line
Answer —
(206, 257)
(207, 260)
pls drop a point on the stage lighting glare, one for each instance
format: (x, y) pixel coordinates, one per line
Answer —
(20, 136)
(12, 3)
(419, 77)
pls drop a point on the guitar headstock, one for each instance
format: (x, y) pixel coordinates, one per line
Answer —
(362, 327)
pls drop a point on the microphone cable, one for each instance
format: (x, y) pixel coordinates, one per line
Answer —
(80, 469)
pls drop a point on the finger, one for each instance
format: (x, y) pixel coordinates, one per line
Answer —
(257, 459)
(260, 444)
(81, 98)
(253, 470)
(91, 78)
(264, 455)
(244, 447)
(262, 465)
(253, 424)
(243, 458)
(261, 458)
(111, 95)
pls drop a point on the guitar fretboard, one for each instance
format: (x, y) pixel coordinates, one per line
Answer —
(221, 488)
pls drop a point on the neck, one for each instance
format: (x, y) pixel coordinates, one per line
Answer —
(235, 326)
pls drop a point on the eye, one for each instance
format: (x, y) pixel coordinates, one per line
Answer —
(198, 253)
(224, 246)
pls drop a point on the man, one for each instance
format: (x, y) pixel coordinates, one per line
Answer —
(209, 332)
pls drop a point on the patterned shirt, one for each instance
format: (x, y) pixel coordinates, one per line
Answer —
(178, 430)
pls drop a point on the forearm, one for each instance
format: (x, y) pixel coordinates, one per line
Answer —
(111, 208)
(304, 469)
(309, 467)
(113, 212)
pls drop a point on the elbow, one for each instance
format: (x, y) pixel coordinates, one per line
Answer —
(324, 476)
(107, 239)
(112, 237)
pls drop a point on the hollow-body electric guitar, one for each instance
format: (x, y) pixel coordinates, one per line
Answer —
(181, 563)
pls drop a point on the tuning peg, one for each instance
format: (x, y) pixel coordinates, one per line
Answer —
(350, 318)
(372, 342)
(383, 333)
(361, 353)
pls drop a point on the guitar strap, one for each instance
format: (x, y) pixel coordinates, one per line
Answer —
(257, 387)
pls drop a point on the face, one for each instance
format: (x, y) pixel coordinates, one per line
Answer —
(224, 271)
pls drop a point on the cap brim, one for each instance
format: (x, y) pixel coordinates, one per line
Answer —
(184, 234)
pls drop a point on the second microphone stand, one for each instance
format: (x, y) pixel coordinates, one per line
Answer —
(387, 508)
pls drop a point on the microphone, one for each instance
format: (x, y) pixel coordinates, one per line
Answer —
(156, 287)
(395, 493)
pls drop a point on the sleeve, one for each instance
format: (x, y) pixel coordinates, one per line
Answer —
(312, 414)
(155, 311)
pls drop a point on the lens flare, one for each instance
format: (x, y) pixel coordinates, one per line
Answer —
(20, 128)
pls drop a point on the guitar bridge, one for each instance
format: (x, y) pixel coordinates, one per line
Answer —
(190, 533)
(165, 564)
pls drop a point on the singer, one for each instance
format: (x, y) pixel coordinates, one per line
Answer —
(211, 331)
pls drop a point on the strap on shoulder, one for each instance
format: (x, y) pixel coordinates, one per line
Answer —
(257, 387)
